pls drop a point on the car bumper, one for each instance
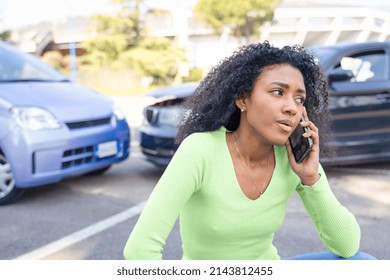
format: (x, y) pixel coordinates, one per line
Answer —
(157, 145)
(52, 155)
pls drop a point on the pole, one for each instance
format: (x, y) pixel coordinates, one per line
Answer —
(72, 50)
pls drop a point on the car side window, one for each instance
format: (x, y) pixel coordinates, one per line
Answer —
(367, 66)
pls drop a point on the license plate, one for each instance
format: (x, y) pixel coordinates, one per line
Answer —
(106, 149)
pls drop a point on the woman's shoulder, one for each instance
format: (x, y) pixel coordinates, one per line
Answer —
(281, 157)
(201, 147)
(206, 139)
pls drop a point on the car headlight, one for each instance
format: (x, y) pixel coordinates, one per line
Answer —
(34, 118)
(170, 115)
(118, 112)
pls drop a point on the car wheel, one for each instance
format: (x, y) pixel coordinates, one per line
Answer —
(8, 191)
(98, 171)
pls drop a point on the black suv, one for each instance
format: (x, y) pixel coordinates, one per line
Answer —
(359, 80)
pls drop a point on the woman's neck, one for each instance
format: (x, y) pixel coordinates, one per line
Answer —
(252, 150)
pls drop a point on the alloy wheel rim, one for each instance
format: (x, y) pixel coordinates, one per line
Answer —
(7, 182)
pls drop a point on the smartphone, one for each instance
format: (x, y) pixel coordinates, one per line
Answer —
(300, 145)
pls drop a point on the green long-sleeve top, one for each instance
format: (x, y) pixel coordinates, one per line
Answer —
(217, 220)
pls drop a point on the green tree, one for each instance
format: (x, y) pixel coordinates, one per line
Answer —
(5, 35)
(116, 34)
(121, 43)
(155, 57)
(242, 16)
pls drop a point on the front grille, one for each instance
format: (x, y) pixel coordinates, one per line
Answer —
(84, 155)
(77, 157)
(154, 142)
(89, 123)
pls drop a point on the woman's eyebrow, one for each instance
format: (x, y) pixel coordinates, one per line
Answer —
(286, 86)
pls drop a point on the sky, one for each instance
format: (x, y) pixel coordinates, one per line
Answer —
(20, 13)
(363, 3)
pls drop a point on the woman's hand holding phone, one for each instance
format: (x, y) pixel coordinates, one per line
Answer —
(307, 169)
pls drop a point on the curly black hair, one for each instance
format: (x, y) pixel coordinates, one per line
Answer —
(213, 103)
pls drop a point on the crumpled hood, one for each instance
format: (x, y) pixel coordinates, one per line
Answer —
(66, 100)
(176, 91)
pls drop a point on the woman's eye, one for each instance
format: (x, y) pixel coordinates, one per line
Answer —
(277, 92)
(300, 100)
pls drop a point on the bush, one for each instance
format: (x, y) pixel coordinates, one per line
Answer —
(195, 75)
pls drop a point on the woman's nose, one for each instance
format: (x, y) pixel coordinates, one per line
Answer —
(290, 106)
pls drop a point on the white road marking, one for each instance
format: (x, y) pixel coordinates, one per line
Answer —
(82, 234)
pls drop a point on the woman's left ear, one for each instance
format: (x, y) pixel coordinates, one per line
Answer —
(240, 103)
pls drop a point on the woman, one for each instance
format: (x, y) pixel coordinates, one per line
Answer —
(234, 171)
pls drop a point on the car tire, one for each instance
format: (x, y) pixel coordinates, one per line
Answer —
(99, 171)
(9, 193)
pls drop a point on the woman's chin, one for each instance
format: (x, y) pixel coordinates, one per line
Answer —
(279, 141)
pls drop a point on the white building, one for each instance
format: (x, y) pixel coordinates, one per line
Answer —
(308, 26)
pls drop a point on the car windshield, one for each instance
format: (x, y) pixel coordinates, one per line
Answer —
(16, 66)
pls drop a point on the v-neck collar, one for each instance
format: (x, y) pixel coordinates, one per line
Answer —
(234, 174)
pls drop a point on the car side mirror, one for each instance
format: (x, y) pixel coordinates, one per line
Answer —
(340, 75)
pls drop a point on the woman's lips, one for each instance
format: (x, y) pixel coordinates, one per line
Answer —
(285, 125)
